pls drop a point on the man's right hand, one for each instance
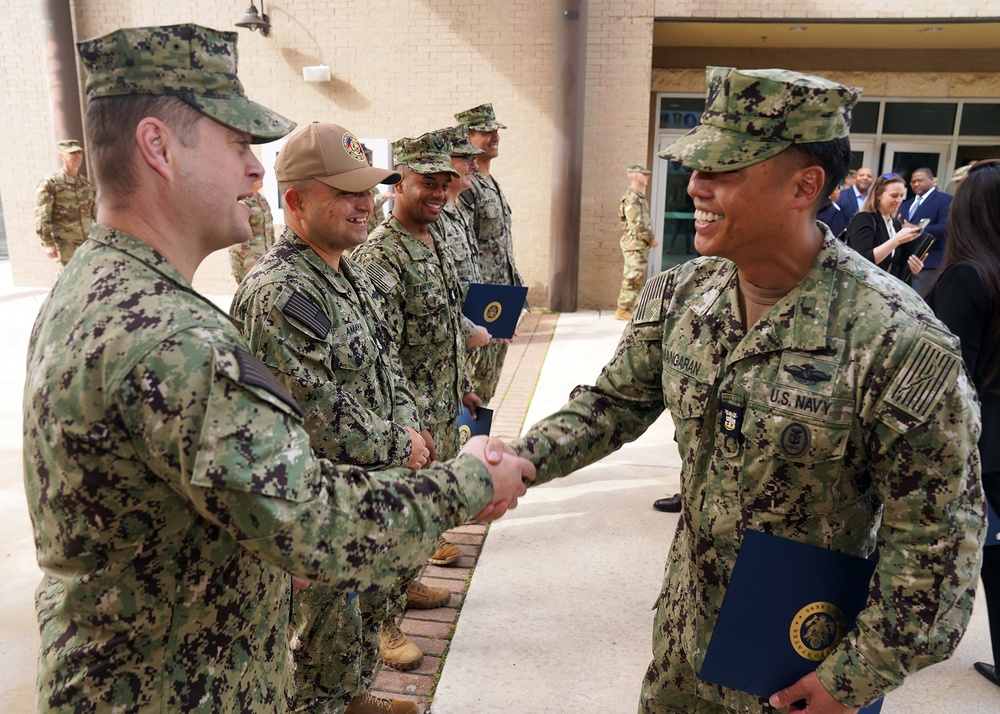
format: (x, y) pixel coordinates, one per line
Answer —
(419, 453)
(511, 474)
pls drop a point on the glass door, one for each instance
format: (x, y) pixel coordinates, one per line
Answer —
(904, 158)
(673, 211)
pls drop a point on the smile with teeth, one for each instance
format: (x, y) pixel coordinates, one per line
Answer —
(706, 217)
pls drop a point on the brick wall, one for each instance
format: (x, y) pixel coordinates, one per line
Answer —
(402, 67)
(836, 9)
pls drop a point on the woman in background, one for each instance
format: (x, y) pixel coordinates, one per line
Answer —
(876, 233)
(966, 298)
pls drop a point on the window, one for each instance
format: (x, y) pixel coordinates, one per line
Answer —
(929, 118)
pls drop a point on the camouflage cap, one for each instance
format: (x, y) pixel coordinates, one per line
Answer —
(194, 63)
(68, 146)
(637, 169)
(961, 173)
(460, 144)
(429, 153)
(479, 118)
(331, 155)
(753, 115)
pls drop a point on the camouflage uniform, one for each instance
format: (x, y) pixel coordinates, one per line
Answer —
(812, 461)
(318, 331)
(842, 418)
(378, 211)
(171, 484)
(456, 234)
(423, 309)
(491, 222)
(64, 211)
(637, 237)
(242, 256)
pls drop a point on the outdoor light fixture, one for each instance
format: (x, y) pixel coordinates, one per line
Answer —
(252, 21)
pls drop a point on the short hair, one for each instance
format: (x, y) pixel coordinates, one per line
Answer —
(111, 125)
(833, 156)
(882, 182)
(923, 170)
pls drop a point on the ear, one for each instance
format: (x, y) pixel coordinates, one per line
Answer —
(808, 185)
(293, 200)
(154, 141)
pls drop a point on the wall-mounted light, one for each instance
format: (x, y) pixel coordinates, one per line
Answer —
(931, 29)
(252, 21)
(316, 73)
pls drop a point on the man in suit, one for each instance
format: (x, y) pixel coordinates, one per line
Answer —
(927, 202)
(853, 199)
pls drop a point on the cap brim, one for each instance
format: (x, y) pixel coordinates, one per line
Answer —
(240, 114)
(363, 179)
(711, 149)
(435, 168)
(490, 126)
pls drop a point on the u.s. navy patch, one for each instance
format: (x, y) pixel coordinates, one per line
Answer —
(816, 629)
(921, 381)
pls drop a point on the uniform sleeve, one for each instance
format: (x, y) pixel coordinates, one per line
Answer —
(340, 426)
(924, 463)
(215, 425)
(626, 399)
(44, 201)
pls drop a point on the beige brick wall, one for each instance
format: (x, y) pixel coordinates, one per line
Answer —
(402, 67)
(836, 9)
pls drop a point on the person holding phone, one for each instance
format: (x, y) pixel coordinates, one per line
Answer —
(930, 203)
(877, 234)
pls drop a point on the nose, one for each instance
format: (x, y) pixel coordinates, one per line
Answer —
(366, 202)
(698, 184)
(255, 169)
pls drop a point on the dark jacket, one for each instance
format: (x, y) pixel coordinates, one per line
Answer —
(867, 231)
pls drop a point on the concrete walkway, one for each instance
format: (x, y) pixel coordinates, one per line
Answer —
(557, 618)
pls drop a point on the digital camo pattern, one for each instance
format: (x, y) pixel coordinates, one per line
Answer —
(242, 256)
(491, 222)
(64, 212)
(423, 310)
(321, 333)
(481, 118)
(848, 394)
(637, 236)
(172, 488)
(752, 115)
(195, 63)
(377, 214)
(456, 230)
(429, 153)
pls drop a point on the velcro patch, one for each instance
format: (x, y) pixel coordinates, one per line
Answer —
(380, 277)
(308, 313)
(649, 306)
(255, 373)
(918, 385)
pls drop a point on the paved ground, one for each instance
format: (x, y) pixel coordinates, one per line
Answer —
(557, 617)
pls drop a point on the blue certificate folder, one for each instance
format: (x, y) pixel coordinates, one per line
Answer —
(992, 525)
(495, 307)
(786, 607)
(469, 427)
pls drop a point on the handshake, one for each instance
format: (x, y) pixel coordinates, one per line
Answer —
(511, 474)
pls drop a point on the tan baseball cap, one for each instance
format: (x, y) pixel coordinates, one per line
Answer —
(332, 155)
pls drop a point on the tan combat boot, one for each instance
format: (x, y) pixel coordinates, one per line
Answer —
(398, 652)
(426, 597)
(623, 314)
(370, 704)
(446, 553)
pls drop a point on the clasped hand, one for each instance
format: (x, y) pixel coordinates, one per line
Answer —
(511, 474)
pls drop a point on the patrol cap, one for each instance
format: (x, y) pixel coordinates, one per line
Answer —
(479, 118)
(332, 155)
(637, 169)
(69, 146)
(752, 115)
(460, 144)
(194, 63)
(429, 153)
(961, 173)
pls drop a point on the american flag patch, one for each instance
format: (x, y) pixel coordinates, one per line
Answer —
(918, 385)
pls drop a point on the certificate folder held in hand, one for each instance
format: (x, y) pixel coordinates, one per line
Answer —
(787, 607)
(469, 427)
(495, 307)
